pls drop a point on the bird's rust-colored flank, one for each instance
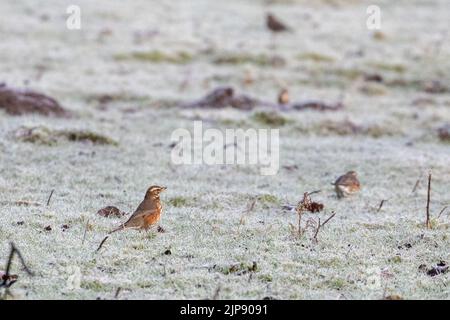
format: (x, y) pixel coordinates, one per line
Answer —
(147, 213)
(347, 184)
(283, 97)
(274, 24)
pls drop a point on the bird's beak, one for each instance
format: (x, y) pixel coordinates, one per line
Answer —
(163, 188)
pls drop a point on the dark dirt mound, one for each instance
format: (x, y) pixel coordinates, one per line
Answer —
(444, 133)
(223, 97)
(20, 101)
(111, 211)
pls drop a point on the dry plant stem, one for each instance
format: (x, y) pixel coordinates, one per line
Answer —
(301, 208)
(50, 197)
(415, 186)
(117, 292)
(427, 222)
(85, 232)
(249, 209)
(216, 293)
(252, 206)
(442, 211)
(320, 225)
(101, 244)
(13, 251)
(300, 232)
(381, 205)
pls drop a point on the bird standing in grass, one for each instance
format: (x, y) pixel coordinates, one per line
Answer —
(347, 184)
(283, 97)
(147, 213)
(275, 25)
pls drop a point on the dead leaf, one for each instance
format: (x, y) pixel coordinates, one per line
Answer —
(308, 205)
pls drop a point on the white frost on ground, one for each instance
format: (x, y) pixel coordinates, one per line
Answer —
(358, 254)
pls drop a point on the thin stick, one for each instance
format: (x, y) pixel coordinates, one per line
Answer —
(381, 205)
(427, 222)
(320, 225)
(317, 231)
(13, 251)
(50, 197)
(442, 211)
(331, 217)
(85, 231)
(249, 209)
(300, 223)
(117, 292)
(252, 206)
(101, 243)
(217, 292)
(416, 185)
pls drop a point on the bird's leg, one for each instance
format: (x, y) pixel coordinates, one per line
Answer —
(272, 44)
(339, 192)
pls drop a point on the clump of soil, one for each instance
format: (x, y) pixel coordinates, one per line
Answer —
(444, 133)
(18, 102)
(45, 136)
(111, 211)
(440, 268)
(434, 87)
(223, 97)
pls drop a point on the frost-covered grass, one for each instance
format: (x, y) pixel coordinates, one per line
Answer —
(213, 242)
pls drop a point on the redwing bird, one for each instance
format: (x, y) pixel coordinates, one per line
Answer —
(275, 25)
(283, 97)
(347, 184)
(147, 213)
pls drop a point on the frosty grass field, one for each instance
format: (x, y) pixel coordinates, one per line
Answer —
(148, 57)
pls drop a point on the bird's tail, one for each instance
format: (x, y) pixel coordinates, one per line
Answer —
(121, 227)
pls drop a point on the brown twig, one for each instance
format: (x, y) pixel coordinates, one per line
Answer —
(249, 209)
(317, 231)
(442, 211)
(101, 243)
(415, 186)
(6, 276)
(427, 222)
(217, 292)
(381, 205)
(85, 232)
(320, 225)
(50, 197)
(117, 292)
(251, 206)
(313, 192)
(300, 232)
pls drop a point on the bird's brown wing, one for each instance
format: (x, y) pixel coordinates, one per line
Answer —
(137, 219)
(347, 180)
